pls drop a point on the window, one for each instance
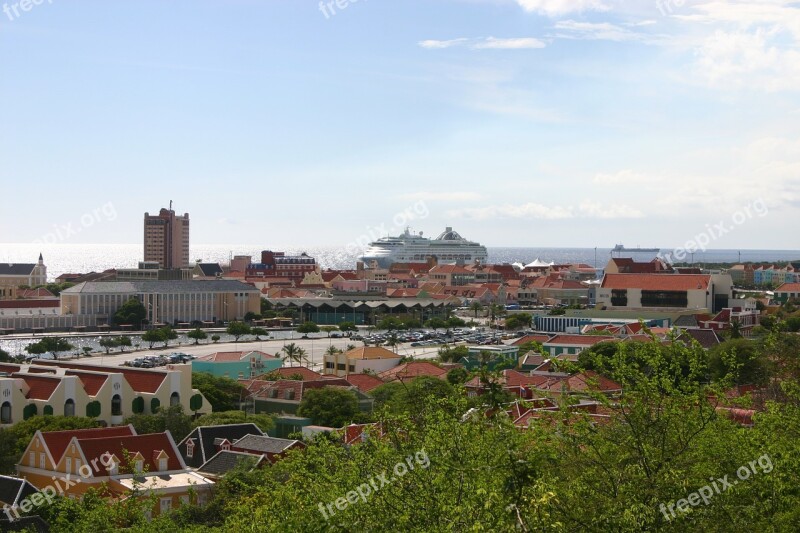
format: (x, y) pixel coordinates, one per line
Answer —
(116, 405)
(190, 449)
(184, 498)
(69, 407)
(139, 466)
(5, 413)
(32, 459)
(68, 464)
(619, 297)
(162, 463)
(665, 299)
(77, 466)
(174, 399)
(42, 461)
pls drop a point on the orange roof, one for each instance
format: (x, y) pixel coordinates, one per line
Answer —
(57, 441)
(140, 380)
(41, 387)
(288, 371)
(449, 269)
(531, 338)
(412, 370)
(364, 382)
(148, 445)
(657, 282)
(92, 383)
(789, 287)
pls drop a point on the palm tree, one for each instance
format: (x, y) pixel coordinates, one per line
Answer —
(476, 307)
(393, 342)
(332, 350)
(293, 353)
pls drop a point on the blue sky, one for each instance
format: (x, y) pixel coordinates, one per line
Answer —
(518, 122)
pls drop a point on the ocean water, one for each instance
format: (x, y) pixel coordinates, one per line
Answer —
(82, 258)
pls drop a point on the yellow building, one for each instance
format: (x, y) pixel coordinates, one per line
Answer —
(105, 393)
(114, 460)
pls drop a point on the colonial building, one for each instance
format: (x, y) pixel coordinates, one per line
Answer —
(280, 265)
(665, 291)
(105, 393)
(168, 302)
(13, 275)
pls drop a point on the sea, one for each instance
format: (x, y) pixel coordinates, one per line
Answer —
(82, 258)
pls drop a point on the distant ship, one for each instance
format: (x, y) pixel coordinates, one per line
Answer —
(620, 248)
(448, 248)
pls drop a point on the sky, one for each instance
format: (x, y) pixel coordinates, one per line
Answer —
(288, 123)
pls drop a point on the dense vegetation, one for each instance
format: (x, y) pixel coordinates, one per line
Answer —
(442, 466)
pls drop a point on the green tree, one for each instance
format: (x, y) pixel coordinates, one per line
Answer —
(452, 354)
(436, 323)
(198, 335)
(169, 335)
(4, 357)
(346, 327)
(131, 312)
(455, 322)
(171, 419)
(153, 336)
(123, 341)
(293, 353)
(108, 343)
(215, 338)
(742, 359)
(237, 330)
(328, 406)
(476, 307)
(457, 376)
(222, 393)
(259, 332)
(328, 329)
(519, 321)
(53, 345)
(308, 327)
(332, 350)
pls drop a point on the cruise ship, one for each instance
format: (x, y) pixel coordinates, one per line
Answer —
(449, 247)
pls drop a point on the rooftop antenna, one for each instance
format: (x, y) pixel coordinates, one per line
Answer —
(170, 205)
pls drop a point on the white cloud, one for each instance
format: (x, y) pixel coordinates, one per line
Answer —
(434, 44)
(556, 8)
(604, 31)
(488, 43)
(510, 44)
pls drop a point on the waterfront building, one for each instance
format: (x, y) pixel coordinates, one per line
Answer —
(280, 265)
(167, 302)
(13, 275)
(166, 239)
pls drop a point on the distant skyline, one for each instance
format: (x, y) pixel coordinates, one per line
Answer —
(279, 124)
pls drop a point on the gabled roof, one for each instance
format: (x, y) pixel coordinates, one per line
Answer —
(226, 460)
(13, 490)
(657, 282)
(707, 338)
(140, 380)
(209, 269)
(412, 370)
(371, 352)
(16, 269)
(264, 444)
(92, 381)
(449, 269)
(149, 446)
(364, 382)
(57, 441)
(204, 437)
(788, 287)
(532, 338)
(226, 357)
(41, 386)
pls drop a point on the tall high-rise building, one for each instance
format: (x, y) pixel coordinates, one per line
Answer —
(166, 238)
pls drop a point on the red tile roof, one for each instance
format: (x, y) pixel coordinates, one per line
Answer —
(29, 304)
(41, 387)
(657, 282)
(148, 445)
(412, 370)
(140, 380)
(789, 287)
(288, 371)
(92, 383)
(57, 441)
(531, 338)
(364, 382)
